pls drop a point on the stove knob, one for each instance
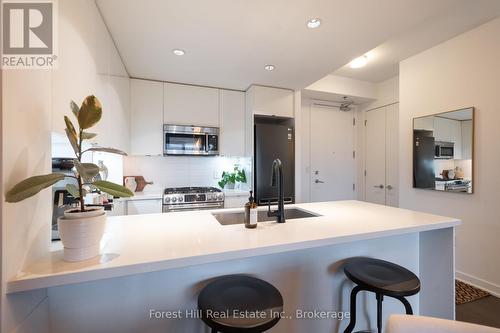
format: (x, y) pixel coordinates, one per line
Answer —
(220, 196)
(167, 199)
(181, 199)
(174, 199)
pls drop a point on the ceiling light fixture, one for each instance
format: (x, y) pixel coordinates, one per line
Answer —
(269, 67)
(314, 23)
(359, 62)
(178, 52)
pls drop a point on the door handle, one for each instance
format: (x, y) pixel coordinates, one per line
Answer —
(389, 187)
(379, 186)
(317, 181)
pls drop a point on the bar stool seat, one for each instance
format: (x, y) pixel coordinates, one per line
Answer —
(238, 303)
(382, 278)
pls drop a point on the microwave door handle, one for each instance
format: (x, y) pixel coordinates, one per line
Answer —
(206, 143)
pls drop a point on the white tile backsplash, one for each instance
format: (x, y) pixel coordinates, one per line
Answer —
(177, 171)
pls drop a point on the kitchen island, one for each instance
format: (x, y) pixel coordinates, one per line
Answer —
(161, 261)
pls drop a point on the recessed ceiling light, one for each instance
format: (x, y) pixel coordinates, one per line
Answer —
(314, 23)
(269, 67)
(359, 62)
(178, 52)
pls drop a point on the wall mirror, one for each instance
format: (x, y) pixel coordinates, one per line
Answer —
(443, 151)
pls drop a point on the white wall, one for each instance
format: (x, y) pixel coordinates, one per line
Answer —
(90, 64)
(26, 151)
(344, 86)
(178, 171)
(462, 72)
(386, 92)
(33, 102)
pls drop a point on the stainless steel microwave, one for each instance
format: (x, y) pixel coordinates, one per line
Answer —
(190, 140)
(444, 150)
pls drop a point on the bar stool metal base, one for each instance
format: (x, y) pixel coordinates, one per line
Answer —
(382, 278)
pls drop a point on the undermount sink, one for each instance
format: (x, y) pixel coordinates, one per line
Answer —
(229, 218)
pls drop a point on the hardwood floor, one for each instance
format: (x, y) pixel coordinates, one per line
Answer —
(484, 311)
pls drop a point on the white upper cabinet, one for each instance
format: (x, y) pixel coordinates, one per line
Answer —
(232, 139)
(467, 139)
(424, 123)
(191, 105)
(449, 130)
(146, 128)
(271, 101)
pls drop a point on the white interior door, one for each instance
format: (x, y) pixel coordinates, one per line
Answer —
(392, 162)
(375, 156)
(332, 162)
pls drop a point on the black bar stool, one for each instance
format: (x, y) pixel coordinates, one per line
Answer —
(382, 278)
(224, 302)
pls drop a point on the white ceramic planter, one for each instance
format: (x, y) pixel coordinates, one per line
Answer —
(81, 233)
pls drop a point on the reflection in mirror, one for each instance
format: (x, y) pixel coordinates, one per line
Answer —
(443, 146)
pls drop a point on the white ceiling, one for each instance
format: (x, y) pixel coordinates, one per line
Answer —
(228, 42)
(384, 59)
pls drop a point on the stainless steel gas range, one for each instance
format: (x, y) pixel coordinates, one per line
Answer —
(176, 199)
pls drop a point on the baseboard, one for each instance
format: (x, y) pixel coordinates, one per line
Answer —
(492, 288)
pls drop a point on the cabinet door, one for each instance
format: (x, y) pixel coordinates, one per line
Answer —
(391, 158)
(456, 138)
(137, 207)
(272, 101)
(466, 139)
(146, 128)
(375, 151)
(424, 123)
(190, 105)
(232, 138)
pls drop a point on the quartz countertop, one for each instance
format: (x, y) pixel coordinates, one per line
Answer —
(145, 243)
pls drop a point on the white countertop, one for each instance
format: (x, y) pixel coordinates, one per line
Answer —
(145, 243)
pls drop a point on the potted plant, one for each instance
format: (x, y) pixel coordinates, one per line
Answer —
(81, 228)
(229, 179)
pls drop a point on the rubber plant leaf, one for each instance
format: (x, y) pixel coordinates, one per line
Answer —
(73, 190)
(90, 112)
(71, 134)
(86, 170)
(113, 189)
(74, 108)
(88, 136)
(108, 150)
(31, 186)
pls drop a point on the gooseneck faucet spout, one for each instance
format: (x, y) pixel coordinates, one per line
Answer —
(277, 180)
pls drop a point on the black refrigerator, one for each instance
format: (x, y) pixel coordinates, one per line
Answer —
(423, 160)
(273, 138)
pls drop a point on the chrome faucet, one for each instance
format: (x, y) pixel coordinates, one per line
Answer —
(277, 180)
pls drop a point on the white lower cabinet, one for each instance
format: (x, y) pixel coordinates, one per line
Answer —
(151, 206)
